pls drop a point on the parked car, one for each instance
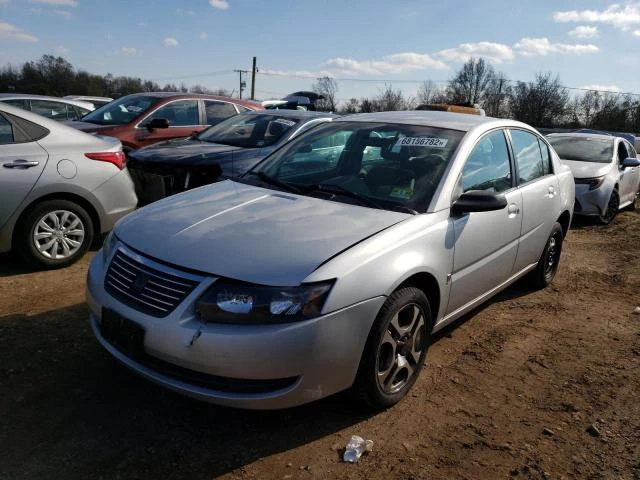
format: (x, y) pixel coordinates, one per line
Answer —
(606, 171)
(223, 151)
(145, 118)
(95, 101)
(60, 188)
(314, 273)
(59, 109)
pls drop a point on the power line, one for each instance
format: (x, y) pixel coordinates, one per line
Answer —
(195, 75)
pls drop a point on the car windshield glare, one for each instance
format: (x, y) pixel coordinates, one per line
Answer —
(391, 166)
(587, 149)
(249, 130)
(121, 111)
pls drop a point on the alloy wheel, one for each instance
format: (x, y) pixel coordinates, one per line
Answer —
(58, 234)
(401, 348)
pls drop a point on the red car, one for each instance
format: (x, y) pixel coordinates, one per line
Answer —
(141, 119)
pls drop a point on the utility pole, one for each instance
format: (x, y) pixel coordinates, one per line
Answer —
(253, 79)
(243, 84)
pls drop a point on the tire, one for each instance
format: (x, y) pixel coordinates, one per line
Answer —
(634, 203)
(612, 208)
(395, 350)
(548, 264)
(54, 234)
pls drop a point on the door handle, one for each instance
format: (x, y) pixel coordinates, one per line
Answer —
(21, 164)
(513, 209)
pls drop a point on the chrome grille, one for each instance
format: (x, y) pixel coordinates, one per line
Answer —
(147, 289)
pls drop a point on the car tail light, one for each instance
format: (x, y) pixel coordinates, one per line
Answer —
(117, 158)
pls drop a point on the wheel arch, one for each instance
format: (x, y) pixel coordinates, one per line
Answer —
(71, 197)
(565, 222)
(428, 284)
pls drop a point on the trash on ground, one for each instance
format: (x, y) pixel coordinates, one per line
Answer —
(355, 448)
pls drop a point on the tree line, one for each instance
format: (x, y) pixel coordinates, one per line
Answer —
(541, 102)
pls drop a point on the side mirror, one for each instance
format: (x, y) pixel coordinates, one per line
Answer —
(630, 162)
(478, 201)
(157, 123)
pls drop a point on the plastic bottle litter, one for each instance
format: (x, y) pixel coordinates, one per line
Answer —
(355, 448)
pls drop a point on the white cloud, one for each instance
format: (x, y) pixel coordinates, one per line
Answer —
(59, 3)
(296, 73)
(203, 35)
(12, 32)
(606, 88)
(219, 4)
(636, 33)
(396, 63)
(60, 50)
(129, 51)
(494, 52)
(530, 47)
(170, 42)
(584, 31)
(63, 13)
(620, 16)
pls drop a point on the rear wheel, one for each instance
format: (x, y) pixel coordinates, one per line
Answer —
(54, 234)
(612, 209)
(395, 350)
(548, 264)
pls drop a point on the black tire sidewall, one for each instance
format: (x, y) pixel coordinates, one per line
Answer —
(367, 386)
(540, 279)
(603, 218)
(24, 243)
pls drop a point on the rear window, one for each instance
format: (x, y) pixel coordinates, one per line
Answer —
(587, 149)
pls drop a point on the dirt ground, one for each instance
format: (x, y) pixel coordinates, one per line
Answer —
(535, 385)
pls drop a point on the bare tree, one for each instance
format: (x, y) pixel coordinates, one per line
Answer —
(430, 92)
(390, 100)
(589, 106)
(541, 103)
(367, 105)
(496, 96)
(351, 106)
(327, 87)
(470, 84)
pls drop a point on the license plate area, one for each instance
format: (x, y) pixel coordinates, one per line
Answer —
(125, 335)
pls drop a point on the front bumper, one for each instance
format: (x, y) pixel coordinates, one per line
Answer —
(291, 364)
(591, 202)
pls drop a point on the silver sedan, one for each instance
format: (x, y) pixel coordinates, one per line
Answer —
(331, 263)
(59, 188)
(606, 171)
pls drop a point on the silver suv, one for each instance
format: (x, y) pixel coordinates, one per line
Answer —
(331, 263)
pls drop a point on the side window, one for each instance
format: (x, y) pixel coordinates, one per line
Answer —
(6, 131)
(632, 151)
(488, 166)
(528, 156)
(17, 103)
(52, 110)
(215, 112)
(181, 113)
(546, 158)
(622, 152)
(242, 109)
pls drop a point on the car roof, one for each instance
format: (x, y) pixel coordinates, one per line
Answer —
(601, 136)
(454, 121)
(239, 101)
(29, 96)
(299, 114)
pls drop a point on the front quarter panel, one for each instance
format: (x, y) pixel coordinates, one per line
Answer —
(379, 264)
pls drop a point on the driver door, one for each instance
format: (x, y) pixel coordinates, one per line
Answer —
(485, 243)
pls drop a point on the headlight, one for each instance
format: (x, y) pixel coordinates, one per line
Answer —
(108, 245)
(592, 182)
(227, 302)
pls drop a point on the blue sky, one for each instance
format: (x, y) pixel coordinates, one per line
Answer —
(362, 43)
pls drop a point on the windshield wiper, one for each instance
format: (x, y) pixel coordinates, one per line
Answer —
(274, 181)
(340, 190)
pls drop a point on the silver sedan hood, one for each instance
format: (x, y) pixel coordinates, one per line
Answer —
(249, 233)
(587, 169)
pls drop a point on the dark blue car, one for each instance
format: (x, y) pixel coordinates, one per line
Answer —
(223, 151)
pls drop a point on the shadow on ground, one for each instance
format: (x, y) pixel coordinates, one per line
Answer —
(70, 411)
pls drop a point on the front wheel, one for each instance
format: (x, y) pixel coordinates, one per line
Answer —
(548, 264)
(54, 234)
(396, 348)
(612, 209)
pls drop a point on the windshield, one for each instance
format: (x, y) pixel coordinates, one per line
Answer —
(585, 149)
(396, 167)
(121, 111)
(249, 130)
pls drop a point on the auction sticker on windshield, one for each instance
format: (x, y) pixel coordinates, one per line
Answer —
(422, 142)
